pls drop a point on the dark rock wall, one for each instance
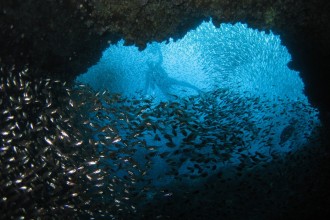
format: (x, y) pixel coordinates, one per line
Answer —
(48, 36)
(64, 38)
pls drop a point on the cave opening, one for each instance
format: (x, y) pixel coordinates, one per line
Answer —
(189, 108)
(232, 56)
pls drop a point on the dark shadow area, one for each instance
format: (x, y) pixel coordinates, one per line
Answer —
(291, 187)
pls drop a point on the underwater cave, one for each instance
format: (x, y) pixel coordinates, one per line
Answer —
(249, 64)
(216, 100)
(163, 110)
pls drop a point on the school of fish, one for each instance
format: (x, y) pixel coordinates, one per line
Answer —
(67, 150)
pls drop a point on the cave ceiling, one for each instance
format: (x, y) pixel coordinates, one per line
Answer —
(62, 38)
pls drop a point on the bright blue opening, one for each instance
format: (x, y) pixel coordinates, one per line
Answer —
(232, 56)
(247, 65)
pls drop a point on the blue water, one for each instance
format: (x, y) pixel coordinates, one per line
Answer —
(232, 56)
(260, 101)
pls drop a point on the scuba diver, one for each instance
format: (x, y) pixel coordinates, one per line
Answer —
(156, 76)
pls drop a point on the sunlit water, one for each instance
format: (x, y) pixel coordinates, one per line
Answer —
(250, 69)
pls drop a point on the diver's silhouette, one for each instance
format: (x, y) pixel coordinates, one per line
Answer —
(156, 76)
